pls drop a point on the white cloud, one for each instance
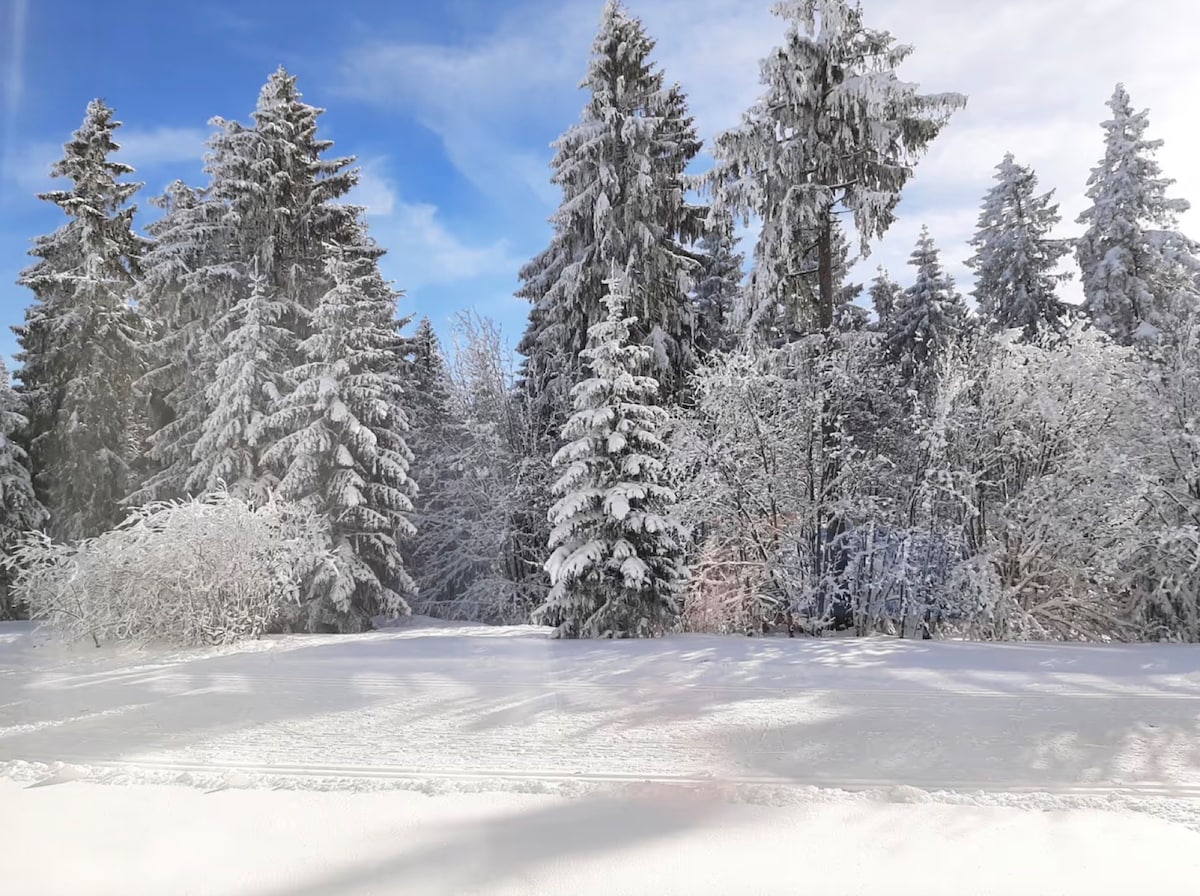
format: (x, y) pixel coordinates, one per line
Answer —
(14, 74)
(374, 191)
(28, 169)
(421, 250)
(484, 99)
(1037, 74)
(146, 149)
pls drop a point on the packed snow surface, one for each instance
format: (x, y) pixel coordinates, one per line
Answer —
(436, 758)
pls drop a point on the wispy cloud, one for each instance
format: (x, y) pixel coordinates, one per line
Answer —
(28, 168)
(1037, 73)
(374, 191)
(14, 82)
(495, 104)
(422, 250)
(14, 79)
(147, 149)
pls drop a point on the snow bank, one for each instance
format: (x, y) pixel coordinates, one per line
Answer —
(153, 840)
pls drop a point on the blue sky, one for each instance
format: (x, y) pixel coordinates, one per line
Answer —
(451, 107)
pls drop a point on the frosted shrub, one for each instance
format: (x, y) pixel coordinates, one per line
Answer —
(725, 594)
(212, 570)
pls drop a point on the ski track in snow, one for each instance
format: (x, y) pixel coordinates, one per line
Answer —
(442, 708)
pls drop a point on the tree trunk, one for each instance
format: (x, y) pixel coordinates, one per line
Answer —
(825, 275)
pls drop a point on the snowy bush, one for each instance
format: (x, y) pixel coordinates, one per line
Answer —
(1037, 440)
(782, 454)
(728, 590)
(897, 581)
(212, 570)
(1155, 545)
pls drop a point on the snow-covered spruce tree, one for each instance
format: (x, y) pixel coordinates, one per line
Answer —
(430, 408)
(718, 285)
(885, 296)
(835, 127)
(245, 389)
(80, 342)
(1139, 272)
(1015, 255)
(183, 295)
(929, 317)
(270, 210)
(429, 375)
(621, 171)
(20, 510)
(342, 451)
(616, 562)
(438, 438)
(281, 196)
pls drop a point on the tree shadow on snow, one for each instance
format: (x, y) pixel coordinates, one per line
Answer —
(837, 713)
(460, 857)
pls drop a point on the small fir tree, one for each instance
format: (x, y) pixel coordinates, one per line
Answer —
(616, 566)
(1015, 255)
(929, 318)
(1139, 272)
(885, 295)
(718, 286)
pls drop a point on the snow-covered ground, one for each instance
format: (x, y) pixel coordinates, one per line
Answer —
(461, 759)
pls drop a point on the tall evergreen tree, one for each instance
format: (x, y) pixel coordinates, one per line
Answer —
(621, 170)
(20, 509)
(1138, 270)
(270, 212)
(616, 566)
(430, 406)
(184, 293)
(245, 388)
(1015, 255)
(718, 285)
(343, 448)
(439, 438)
(80, 343)
(834, 128)
(930, 316)
(281, 197)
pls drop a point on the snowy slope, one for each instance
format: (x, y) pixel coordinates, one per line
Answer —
(674, 745)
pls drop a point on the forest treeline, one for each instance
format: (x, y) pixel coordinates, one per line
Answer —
(691, 434)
